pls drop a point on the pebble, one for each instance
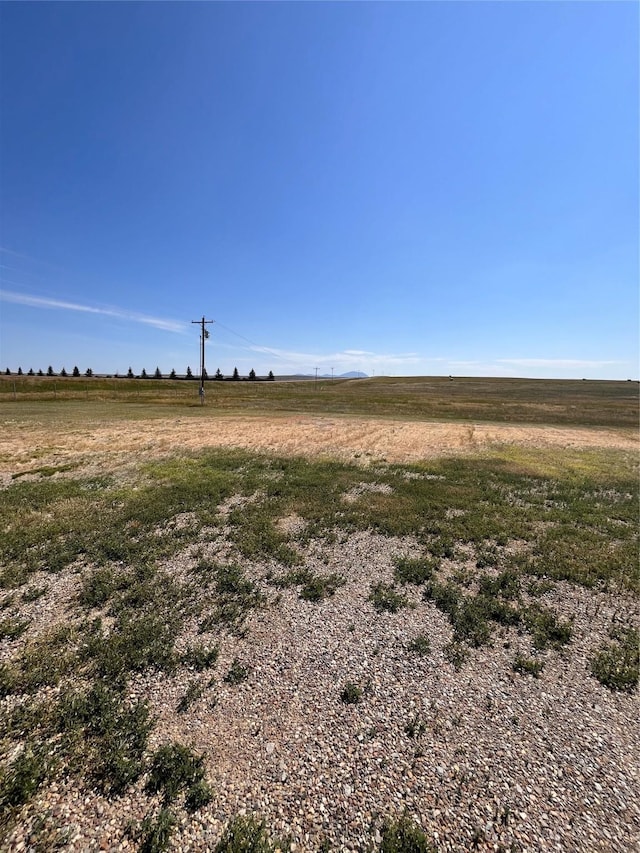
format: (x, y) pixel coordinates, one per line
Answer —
(283, 745)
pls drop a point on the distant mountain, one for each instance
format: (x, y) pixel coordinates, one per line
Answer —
(352, 374)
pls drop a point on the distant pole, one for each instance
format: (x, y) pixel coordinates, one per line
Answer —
(316, 377)
(332, 374)
(203, 335)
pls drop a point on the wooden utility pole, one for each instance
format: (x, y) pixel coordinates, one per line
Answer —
(203, 335)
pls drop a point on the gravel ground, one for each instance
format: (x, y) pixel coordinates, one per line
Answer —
(482, 758)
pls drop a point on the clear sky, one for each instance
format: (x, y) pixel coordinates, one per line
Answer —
(399, 188)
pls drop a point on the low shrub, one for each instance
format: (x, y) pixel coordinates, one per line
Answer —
(237, 673)
(528, 666)
(244, 834)
(545, 628)
(175, 768)
(415, 570)
(384, 596)
(616, 665)
(402, 835)
(351, 694)
(420, 645)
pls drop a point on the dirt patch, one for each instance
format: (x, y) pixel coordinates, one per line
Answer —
(24, 445)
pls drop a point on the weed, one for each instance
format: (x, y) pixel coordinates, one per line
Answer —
(415, 727)
(237, 673)
(43, 661)
(470, 621)
(487, 556)
(416, 571)
(244, 835)
(318, 587)
(506, 585)
(384, 596)
(546, 631)
(402, 835)
(442, 547)
(540, 587)
(12, 628)
(456, 653)
(198, 795)
(616, 665)
(33, 593)
(420, 645)
(200, 657)
(235, 596)
(105, 737)
(193, 693)
(313, 587)
(529, 666)
(97, 588)
(155, 834)
(351, 694)
(174, 768)
(20, 780)
(133, 645)
(446, 597)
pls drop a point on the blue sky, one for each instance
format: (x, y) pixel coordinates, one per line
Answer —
(402, 188)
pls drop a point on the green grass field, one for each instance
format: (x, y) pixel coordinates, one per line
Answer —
(587, 403)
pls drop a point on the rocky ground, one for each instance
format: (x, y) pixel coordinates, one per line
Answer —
(482, 757)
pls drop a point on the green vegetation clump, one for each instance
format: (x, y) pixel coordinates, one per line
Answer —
(414, 570)
(237, 673)
(456, 653)
(44, 661)
(246, 834)
(545, 628)
(616, 665)
(505, 585)
(313, 588)
(175, 768)
(234, 597)
(23, 776)
(105, 737)
(155, 833)
(192, 694)
(420, 645)
(528, 666)
(12, 628)
(351, 694)
(200, 657)
(402, 835)
(385, 597)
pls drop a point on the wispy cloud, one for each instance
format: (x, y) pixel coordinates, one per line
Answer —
(364, 360)
(555, 362)
(119, 313)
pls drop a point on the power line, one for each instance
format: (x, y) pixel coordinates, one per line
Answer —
(249, 341)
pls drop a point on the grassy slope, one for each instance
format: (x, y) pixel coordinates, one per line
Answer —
(568, 402)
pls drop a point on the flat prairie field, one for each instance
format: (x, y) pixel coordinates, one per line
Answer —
(382, 614)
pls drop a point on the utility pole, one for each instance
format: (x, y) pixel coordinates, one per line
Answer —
(203, 335)
(316, 383)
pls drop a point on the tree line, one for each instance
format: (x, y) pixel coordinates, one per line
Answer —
(218, 376)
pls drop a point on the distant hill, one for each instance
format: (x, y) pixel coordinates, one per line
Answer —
(352, 374)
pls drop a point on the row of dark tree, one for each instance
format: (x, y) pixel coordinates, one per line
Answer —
(144, 375)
